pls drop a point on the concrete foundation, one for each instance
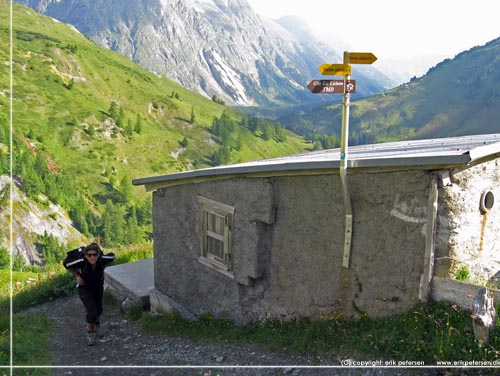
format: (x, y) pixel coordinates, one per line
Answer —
(132, 281)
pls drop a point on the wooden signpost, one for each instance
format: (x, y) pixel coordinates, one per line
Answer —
(361, 57)
(335, 69)
(332, 86)
(344, 87)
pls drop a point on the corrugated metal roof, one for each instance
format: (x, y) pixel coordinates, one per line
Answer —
(432, 153)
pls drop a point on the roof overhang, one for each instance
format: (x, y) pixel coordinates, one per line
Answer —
(418, 154)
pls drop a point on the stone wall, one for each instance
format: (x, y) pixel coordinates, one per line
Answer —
(468, 238)
(288, 245)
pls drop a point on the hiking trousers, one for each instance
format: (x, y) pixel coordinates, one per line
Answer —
(92, 300)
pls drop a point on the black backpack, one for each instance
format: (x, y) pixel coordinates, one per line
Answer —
(76, 253)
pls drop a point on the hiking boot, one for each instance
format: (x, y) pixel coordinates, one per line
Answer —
(97, 330)
(91, 338)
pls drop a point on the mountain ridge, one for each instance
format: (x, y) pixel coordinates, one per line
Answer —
(212, 47)
(86, 121)
(459, 96)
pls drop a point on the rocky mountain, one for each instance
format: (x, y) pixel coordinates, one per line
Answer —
(31, 219)
(213, 47)
(87, 121)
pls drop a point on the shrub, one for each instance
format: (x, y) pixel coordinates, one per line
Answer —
(463, 274)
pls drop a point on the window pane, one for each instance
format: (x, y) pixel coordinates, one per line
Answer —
(215, 248)
(215, 223)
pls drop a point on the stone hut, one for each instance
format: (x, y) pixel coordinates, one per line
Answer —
(268, 238)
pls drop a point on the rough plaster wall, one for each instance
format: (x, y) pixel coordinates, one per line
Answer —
(288, 246)
(389, 240)
(176, 244)
(306, 239)
(466, 237)
(389, 213)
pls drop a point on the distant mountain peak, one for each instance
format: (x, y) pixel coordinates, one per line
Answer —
(214, 47)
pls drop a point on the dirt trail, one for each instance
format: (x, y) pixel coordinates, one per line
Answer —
(126, 350)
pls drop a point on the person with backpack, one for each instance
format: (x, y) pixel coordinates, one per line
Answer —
(87, 265)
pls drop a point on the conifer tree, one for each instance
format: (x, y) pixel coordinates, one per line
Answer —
(138, 124)
(133, 235)
(4, 258)
(267, 132)
(120, 118)
(113, 110)
(193, 117)
(113, 224)
(4, 163)
(129, 129)
(126, 190)
(91, 130)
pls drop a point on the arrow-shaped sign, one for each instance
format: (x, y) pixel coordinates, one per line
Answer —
(361, 58)
(335, 69)
(344, 87)
(332, 86)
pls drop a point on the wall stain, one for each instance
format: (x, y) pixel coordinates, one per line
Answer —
(483, 229)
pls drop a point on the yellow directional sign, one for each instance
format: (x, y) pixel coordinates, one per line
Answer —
(361, 58)
(335, 69)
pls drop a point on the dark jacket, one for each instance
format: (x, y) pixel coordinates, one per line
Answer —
(94, 278)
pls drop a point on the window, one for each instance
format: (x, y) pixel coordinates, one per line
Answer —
(216, 227)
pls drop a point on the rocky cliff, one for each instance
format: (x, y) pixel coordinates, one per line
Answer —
(214, 47)
(29, 219)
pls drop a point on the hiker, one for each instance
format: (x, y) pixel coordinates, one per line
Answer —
(87, 265)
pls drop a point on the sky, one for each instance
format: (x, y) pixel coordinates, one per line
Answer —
(395, 29)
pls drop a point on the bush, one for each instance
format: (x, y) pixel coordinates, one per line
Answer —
(4, 259)
(463, 274)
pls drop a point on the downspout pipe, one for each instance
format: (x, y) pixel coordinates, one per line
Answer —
(430, 238)
(343, 170)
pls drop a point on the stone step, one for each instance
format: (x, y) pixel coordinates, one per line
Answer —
(132, 281)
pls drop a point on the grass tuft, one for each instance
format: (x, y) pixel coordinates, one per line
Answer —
(428, 333)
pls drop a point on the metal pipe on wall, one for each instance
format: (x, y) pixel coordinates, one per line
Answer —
(343, 170)
(430, 236)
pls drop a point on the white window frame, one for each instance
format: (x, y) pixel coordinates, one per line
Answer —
(210, 211)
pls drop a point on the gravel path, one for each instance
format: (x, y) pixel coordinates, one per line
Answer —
(126, 350)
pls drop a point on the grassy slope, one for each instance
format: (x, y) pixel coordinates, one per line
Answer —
(50, 56)
(457, 97)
